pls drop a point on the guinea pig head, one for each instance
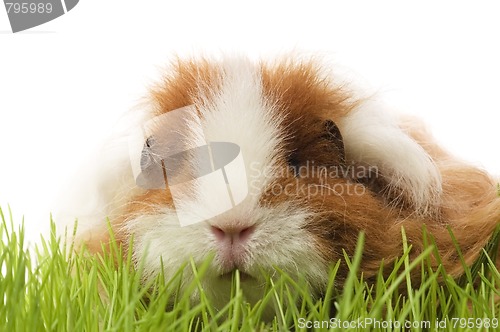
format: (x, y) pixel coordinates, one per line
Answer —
(294, 208)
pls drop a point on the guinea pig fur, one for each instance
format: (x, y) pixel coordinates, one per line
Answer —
(293, 122)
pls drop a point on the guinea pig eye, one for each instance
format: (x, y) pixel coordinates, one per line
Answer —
(146, 155)
(335, 137)
(294, 163)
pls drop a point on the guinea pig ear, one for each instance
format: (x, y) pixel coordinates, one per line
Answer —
(335, 137)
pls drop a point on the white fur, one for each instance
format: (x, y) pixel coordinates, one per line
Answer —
(373, 136)
(103, 185)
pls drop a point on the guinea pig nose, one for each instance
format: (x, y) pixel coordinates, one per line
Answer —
(235, 233)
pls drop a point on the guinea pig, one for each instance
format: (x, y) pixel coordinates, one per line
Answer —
(275, 164)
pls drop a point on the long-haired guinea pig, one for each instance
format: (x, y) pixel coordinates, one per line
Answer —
(269, 165)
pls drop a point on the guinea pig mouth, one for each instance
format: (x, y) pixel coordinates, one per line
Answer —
(229, 275)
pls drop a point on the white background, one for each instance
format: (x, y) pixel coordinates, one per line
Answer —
(64, 84)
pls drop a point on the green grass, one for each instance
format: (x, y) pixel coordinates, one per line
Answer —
(55, 290)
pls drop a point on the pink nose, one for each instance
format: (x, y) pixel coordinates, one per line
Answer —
(232, 233)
